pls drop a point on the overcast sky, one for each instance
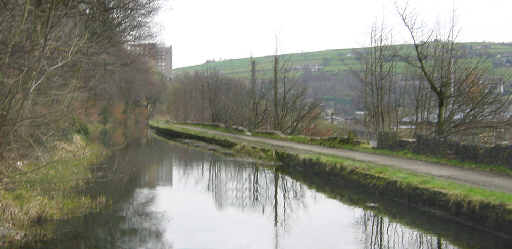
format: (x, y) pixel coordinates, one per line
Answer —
(224, 29)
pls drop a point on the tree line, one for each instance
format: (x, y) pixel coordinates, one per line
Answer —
(280, 103)
(437, 86)
(59, 59)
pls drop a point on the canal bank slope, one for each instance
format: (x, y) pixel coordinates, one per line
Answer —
(475, 198)
(44, 192)
(475, 178)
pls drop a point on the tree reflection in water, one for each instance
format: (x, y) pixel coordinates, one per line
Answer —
(283, 212)
(246, 186)
(379, 232)
(249, 187)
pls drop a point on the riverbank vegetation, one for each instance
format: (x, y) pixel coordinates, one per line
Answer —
(71, 90)
(42, 192)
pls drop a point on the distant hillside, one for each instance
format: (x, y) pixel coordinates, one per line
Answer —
(328, 61)
(329, 73)
(339, 60)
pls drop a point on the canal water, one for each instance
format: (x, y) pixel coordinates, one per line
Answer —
(166, 195)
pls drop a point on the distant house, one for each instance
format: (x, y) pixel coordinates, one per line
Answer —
(483, 46)
(505, 59)
(310, 67)
(359, 115)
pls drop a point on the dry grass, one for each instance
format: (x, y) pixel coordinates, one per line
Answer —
(43, 191)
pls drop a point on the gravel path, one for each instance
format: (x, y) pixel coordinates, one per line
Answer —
(461, 175)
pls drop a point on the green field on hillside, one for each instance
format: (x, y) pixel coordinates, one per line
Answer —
(339, 60)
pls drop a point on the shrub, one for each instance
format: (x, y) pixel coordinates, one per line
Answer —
(105, 136)
(104, 115)
(81, 127)
(388, 140)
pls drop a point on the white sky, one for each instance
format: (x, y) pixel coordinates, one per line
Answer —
(224, 29)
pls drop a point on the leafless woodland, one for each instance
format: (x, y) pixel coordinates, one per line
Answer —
(60, 60)
(281, 103)
(436, 86)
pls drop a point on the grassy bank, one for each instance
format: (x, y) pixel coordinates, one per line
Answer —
(475, 206)
(384, 207)
(480, 207)
(363, 147)
(38, 193)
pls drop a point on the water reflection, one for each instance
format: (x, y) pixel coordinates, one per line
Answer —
(244, 187)
(380, 232)
(177, 197)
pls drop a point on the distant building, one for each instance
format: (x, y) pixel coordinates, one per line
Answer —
(310, 67)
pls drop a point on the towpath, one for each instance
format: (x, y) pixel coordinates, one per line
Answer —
(461, 175)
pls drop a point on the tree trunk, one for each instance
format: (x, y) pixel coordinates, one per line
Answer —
(254, 111)
(276, 104)
(441, 110)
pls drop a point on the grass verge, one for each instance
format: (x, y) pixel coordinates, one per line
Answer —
(499, 169)
(452, 189)
(37, 193)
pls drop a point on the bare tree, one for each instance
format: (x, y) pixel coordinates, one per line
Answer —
(276, 125)
(51, 52)
(466, 95)
(226, 98)
(421, 99)
(378, 78)
(254, 104)
(292, 107)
